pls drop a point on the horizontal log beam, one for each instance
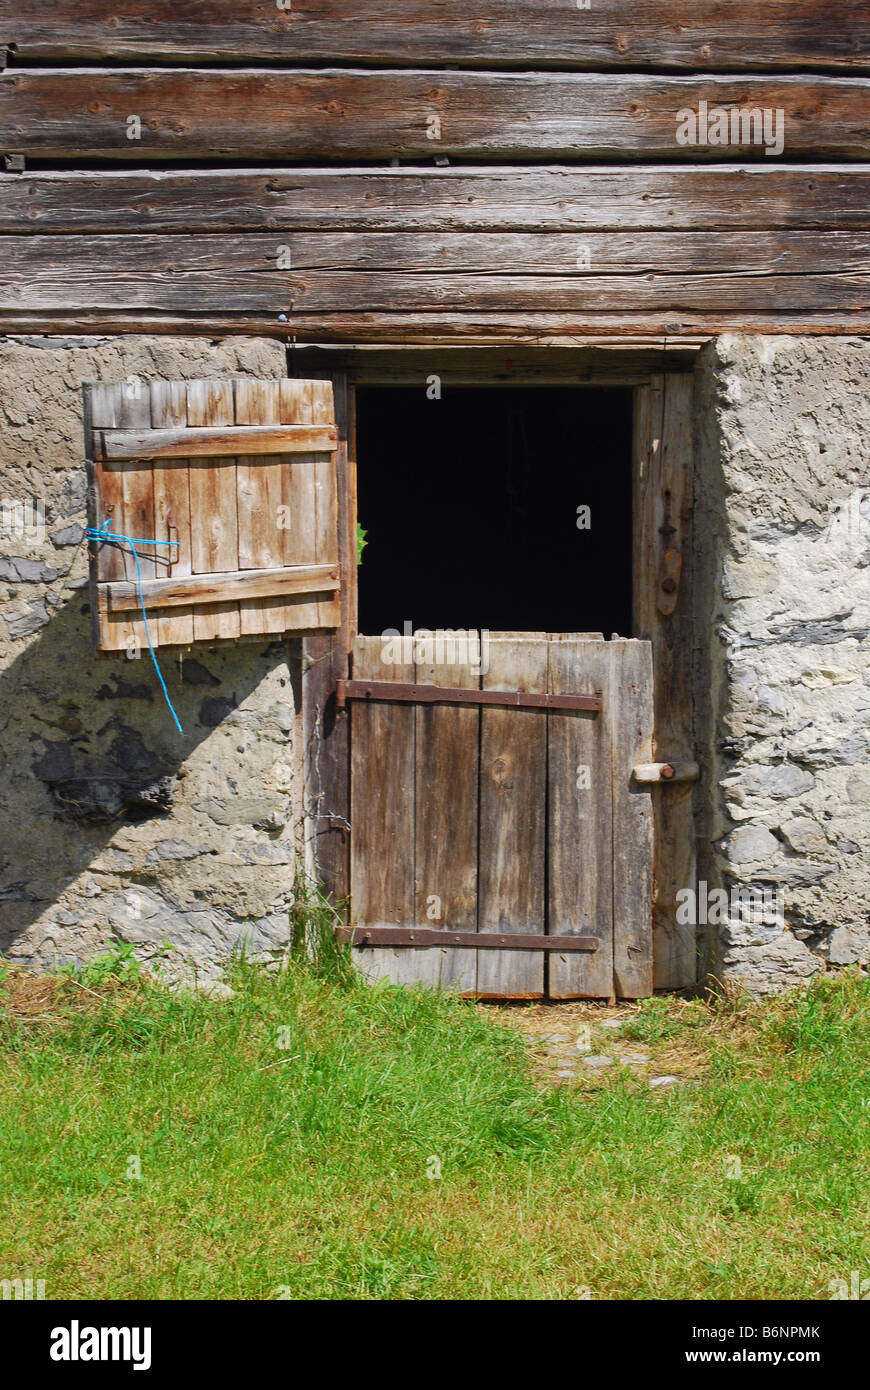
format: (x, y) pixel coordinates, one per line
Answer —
(115, 446)
(525, 33)
(674, 275)
(693, 198)
(444, 330)
(188, 114)
(222, 588)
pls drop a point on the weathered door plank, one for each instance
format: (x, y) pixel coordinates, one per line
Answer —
(382, 815)
(580, 829)
(513, 795)
(447, 760)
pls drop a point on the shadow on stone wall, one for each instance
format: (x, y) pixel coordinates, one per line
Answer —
(91, 755)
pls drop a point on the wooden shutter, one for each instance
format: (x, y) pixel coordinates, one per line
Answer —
(241, 475)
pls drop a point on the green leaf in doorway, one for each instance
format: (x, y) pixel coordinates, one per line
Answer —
(361, 542)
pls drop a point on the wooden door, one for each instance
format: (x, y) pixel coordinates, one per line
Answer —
(502, 815)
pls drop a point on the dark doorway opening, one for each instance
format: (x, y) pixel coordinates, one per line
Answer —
(470, 504)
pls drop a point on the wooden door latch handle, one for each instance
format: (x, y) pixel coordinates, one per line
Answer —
(666, 772)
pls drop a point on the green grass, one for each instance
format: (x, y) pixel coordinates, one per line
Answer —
(288, 1139)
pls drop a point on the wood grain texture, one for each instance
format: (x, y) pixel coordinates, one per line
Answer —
(580, 820)
(324, 660)
(526, 33)
(175, 592)
(191, 114)
(172, 509)
(259, 484)
(447, 750)
(506, 328)
(696, 197)
(137, 500)
(103, 407)
(309, 494)
(513, 817)
(664, 476)
(673, 274)
(382, 816)
(123, 445)
(631, 687)
(215, 537)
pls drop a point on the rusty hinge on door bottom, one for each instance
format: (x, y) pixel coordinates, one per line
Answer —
(456, 695)
(493, 941)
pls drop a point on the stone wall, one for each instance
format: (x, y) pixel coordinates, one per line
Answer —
(114, 825)
(782, 513)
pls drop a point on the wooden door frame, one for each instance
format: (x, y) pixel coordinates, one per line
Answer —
(663, 479)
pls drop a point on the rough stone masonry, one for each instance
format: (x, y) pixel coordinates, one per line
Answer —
(782, 700)
(114, 826)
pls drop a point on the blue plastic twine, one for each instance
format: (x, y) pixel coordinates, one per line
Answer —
(101, 534)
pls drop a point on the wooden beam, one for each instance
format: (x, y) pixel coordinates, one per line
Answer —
(676, 276)
(663, 507)
(522, 33)
(115, 446)
(323, 733)
(233, 114)
(431, 200)
(504, 328)
(223, 588)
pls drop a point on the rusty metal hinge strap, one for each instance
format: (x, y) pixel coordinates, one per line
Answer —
(456, 695)
(492, 941)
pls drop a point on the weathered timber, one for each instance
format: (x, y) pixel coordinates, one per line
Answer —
(513, 816)
(172, 508)
(663, 507)
(579, 821)
(215, 540)
(223, 588)
(382, 813)
(324, 737)
(447, 748)
(611, 33)
(341, 114)
(631, 722)
(699, 197)
(674, 274)
(448, 329)
(119, 446)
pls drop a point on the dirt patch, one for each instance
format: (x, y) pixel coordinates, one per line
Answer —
(583, 1043)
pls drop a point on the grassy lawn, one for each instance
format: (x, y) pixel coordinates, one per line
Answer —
(290, 1139)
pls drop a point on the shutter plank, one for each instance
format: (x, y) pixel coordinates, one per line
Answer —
(107, 500)
(447, 757)
(298, 495)
(513, 772)
(382, 815)
(137, 491)
(214, 518)
(172, 509)
(580, 820)
(259, 503)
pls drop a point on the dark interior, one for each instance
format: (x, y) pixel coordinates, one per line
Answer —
(470, 505)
